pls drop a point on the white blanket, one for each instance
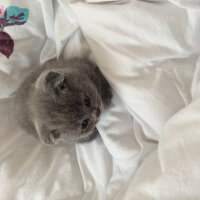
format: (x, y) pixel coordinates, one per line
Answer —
(150, 139)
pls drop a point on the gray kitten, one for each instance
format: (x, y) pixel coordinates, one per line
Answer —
(62, 101)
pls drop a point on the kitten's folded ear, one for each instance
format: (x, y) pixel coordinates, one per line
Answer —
(47, 80)
(51, 77)
(43, 134)
(56, 81)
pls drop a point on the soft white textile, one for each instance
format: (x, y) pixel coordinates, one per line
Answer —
(149, 145)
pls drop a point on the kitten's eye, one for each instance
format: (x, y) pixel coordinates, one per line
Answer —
(55, 134)
(85, 123)
(87, 101)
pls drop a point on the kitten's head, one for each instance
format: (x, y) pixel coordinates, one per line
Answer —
(66, 106)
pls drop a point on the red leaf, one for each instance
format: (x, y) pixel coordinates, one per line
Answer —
(6, 44)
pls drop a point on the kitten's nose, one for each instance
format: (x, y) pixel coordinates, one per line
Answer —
(96, 112)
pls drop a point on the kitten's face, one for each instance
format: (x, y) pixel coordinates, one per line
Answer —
(66, 107)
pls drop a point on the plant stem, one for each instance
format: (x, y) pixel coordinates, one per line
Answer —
(1, 27)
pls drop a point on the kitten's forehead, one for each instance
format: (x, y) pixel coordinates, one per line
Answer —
(63, 116)
(63, 107)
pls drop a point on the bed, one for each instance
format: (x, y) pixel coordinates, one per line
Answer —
(149, 142)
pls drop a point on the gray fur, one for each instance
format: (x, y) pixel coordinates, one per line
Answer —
(50, 101)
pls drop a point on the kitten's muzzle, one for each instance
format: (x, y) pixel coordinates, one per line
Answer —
(96, 112)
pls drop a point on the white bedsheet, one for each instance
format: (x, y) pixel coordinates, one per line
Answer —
(149, 145)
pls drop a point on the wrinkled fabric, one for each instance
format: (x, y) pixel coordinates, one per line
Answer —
(149, 137)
